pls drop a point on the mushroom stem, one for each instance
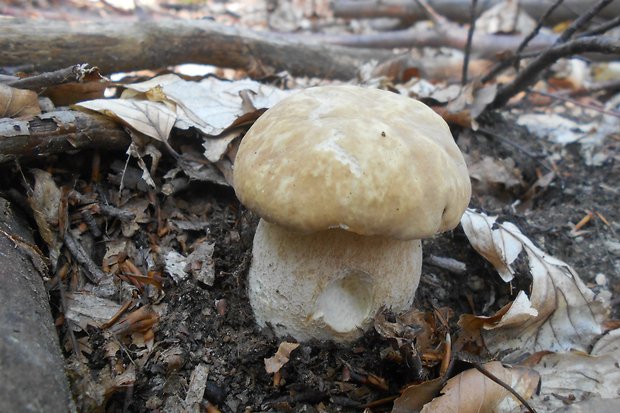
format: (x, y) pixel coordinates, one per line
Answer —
(329, 285)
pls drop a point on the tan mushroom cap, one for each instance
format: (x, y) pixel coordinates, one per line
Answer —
(365, 160)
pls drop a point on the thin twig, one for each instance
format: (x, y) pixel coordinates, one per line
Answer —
(504, 385)
(470, 36)
(529, 75)
(602, 28)
(516, 58)
(75, 73)
(539, 25)
(91, 270)
(582, 20)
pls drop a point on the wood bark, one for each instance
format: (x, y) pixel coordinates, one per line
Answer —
(117, 47)
(59, 132)
(458, 10)
(32, 375)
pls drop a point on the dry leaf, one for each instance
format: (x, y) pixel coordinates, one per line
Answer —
(505, 17)
(275, 363)
(85, 309)
(201, 264)
(471, 391)
(561, 313)
(211, 105)
(414, 397)
(216, 148)
(154, 119)
(579, 376)
(45, 201)
(18, 103)
(495, 177)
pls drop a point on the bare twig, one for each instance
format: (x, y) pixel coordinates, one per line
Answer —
(602, 28)
(91, 270)
(539, 25)
(529, 75)
(504, 385)
(516, 58)
(75, 73)
(582, 20)
(470, 36)
(579, 23)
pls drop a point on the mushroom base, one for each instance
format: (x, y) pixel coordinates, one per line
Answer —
(329, 285)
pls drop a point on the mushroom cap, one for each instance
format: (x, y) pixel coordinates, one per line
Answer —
(365, 160)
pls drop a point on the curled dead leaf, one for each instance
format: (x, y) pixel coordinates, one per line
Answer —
(275, 363)
(560, 314)
(18, 103)
(472, 391)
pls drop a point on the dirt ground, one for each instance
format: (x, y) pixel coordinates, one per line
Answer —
(214, 326)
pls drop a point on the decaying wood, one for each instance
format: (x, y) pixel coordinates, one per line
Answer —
(59, 132)
(483, 45)
(118, 47)
(458, 10)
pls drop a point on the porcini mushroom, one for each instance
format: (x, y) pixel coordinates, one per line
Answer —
(347, 181)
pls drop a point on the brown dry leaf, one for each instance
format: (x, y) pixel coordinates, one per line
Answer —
(471, 391)
(154, 119)
(71, 93)
(414, 397)
(215, 149)
(579, 376)
(560, 314)
(85, 309)
(275, 363)
(18, 103)
(495, 177)
(211, 105)
(45, 201)
(473, 100)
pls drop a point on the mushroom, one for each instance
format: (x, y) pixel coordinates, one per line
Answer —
(347, 180)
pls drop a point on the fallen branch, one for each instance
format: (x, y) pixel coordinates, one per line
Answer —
(59, 132)
(118, 47)
(75, 73)
(530, 74)
(483, 45)
(458, 10)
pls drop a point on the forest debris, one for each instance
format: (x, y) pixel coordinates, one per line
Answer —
(153, 119)
(196, 390)
(200, 263)
(578, 376)
(215, 149)
(175, 266)
(85, 309)
(195, 41)
(59, 132)
(44, 200)
(211, 105)
(280, 358)
(18, 103)
(471, 391)
(562, 313)
(495, 177)
(459, 10)
(140, 320)
(505, 17)
(414, 397)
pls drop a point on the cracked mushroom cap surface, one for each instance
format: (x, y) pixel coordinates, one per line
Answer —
(365, 160)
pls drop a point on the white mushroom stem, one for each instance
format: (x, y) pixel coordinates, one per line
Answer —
(329, 285)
